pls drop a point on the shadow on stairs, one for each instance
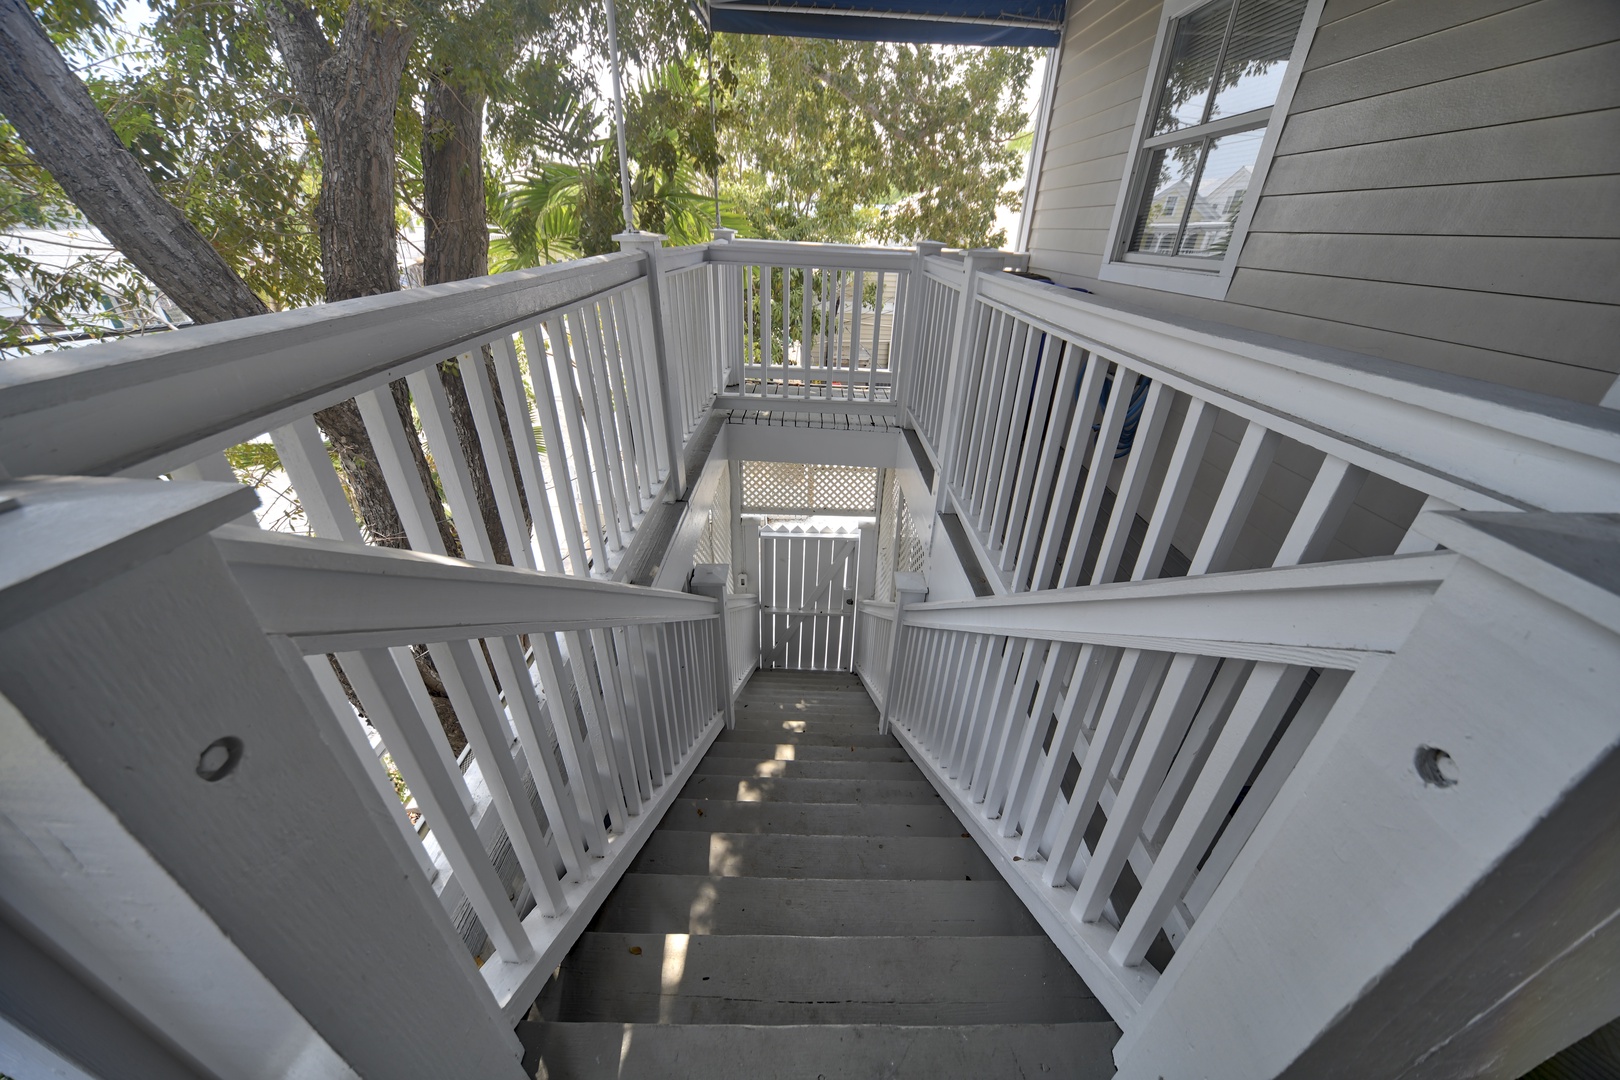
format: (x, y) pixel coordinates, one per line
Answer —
(810, 908)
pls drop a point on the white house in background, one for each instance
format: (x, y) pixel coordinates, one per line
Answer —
(1249, 600)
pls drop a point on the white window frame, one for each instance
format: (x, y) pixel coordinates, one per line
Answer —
(1165, 272)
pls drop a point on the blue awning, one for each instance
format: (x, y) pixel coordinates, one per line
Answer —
(935, 22)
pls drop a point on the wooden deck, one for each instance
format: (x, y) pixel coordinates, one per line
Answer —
(810, 907)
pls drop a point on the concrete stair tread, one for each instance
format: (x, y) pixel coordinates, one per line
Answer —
(813, 819)
(914, 858)
(813, 907)
(1072, 1051)
(777, 979)
(802, 790)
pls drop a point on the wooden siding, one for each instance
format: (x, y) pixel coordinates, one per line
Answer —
(1446, 190)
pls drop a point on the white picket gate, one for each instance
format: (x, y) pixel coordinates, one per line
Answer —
(807, 600)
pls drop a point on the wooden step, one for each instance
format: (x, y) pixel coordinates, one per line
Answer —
(838, 769)
(1077, 1051)
(813, 907)
(787, 789)
(752, 736)
(814, 819)
(718, 979)
(785, 751)
(870, 857)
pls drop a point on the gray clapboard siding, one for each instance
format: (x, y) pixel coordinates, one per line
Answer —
(1524, 33)
(1571, 82)
(1358, 27)
(1581, 144)
(1446, 190)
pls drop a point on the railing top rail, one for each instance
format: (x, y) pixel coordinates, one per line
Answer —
(793, 253)
(1332, 614)
(148, 401)
(1479, 444)
(329, 596)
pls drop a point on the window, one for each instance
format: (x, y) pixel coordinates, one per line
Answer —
(1222, 69)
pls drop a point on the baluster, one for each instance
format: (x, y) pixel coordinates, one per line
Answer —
(1067, 359)
(1013, 784)
(966, 707)
(1102, 461)
(521, 423)
(582, 661)
(635, 423)
(1178, 699)
(1178, 480)
(1144, 446)
(999, 745)
(433, 408)
(1007, 391)
(1009, 442)
(486, 729)
(532, 727)
(1093, 678)
(975, 404)
(320, 493)
(1336, 485)
(646, 368)
(1068, 476)
(398, 467)
(577, 756)
(1043, 405)
(1212, 715)
(545, 401)
(563, 340)
(383, 689)
(1130, 693)
(996, 717)
(487, 422)
(1232, 506)
(629, 755)
(370, 761)
(1254, 719)
(608, 402)
(587, 409)
(1321, 699)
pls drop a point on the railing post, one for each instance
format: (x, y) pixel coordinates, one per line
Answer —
(725, 328)
(909, 588)
(171, 732)
(974, 263)
(651, 245)
(866, 566)
(709, 579)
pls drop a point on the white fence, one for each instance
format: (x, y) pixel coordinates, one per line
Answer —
(807, 600)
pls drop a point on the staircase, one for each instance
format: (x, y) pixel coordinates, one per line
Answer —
(810, 907)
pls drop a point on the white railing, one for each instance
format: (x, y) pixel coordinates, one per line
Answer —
(818, 322)
(1083, 444)
(742, 636)
(1159, 713)
(585, 706)
(874, 633)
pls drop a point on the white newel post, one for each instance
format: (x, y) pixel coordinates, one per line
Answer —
(651, 245)
(866, 566)
(234, 878)
(909, 588)
(1435, 891)
(727, 327)
(975, 263)
(709, 579)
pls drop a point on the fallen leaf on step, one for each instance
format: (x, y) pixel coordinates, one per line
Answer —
(635, 950)
(700, 811)
(1018, 858)
(965, 836)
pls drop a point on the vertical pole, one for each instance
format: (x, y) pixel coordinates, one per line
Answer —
(618, 117)
(709, 579)
(909, 588)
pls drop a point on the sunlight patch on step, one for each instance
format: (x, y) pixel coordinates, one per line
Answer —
(670, 981)
(771, 768)
(723, 861)
(794, 725)
(784, 752)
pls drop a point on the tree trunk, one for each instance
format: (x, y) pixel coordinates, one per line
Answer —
(457, 247)
(350, 93)
(67, 134)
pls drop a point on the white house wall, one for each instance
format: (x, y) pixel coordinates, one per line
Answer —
(1446, 189)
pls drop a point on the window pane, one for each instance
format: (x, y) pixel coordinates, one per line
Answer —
(1222, 189)
(1165, 198)
(1193, 56)
(1257, 56)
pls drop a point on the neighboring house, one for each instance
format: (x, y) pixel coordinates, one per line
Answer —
(1248, 602)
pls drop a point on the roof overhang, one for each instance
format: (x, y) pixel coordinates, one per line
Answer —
(937, 22)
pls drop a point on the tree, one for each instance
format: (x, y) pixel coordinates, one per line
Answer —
(68, 135)
(847, 141)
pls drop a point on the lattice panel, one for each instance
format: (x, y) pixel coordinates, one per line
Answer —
(714, 543)
(908, 558)
(776, 487)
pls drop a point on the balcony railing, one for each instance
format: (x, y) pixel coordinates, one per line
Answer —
(1209, 550)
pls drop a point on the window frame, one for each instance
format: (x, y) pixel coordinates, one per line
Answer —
(1169, 273)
